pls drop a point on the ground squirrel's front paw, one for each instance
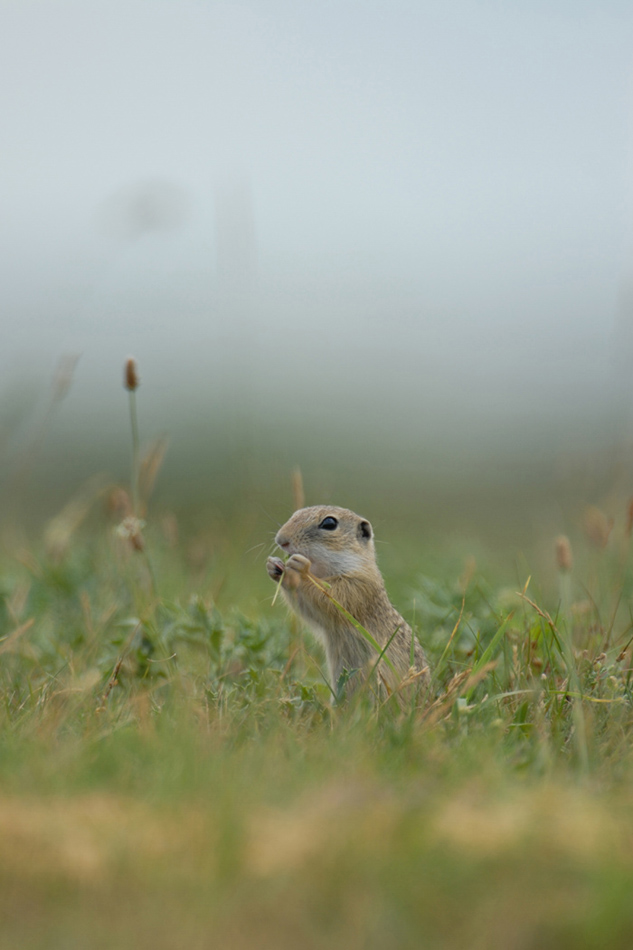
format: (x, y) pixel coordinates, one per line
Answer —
(299, 563)
(275, 567)
(295, 567)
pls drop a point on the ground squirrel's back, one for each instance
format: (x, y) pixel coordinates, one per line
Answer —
(337, 546)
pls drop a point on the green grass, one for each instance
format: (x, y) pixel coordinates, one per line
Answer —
(210, 793)
(174, 773)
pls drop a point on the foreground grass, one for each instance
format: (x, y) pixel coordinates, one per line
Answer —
(175, 774)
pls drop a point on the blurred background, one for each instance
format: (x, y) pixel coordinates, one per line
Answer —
(387, 242)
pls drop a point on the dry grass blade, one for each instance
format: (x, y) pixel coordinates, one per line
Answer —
(545, 616)
(566, 651)
(149, 467)
(298, 493)
(60, 529)
(442, 659)
(7, 643)
(278, 588)
(63, 377)
(477, 676)
(113, 681)
(410, 678)
(355, 623)
(440, 708)
(462, 683)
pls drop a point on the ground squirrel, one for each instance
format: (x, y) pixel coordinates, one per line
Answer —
(337, 546)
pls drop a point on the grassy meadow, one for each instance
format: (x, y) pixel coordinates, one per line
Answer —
(174, 770)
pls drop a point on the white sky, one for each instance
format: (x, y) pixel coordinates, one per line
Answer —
(441, 197)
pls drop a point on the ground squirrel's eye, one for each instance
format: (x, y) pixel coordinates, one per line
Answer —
(329, 523)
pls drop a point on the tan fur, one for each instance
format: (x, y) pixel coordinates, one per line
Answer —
(346, 560)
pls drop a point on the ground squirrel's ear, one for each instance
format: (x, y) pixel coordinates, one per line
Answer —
(364, 531)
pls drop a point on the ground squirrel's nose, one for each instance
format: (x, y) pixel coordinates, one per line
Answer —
(281, 541)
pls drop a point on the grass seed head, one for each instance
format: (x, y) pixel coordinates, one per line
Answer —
(597, 527)
(130, 379)
(564, 557)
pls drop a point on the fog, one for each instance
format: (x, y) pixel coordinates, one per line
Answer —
(402, 226)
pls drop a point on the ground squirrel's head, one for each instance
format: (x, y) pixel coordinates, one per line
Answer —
(337, 541)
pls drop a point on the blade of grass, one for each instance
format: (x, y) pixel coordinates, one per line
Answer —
(440, 666)
(563, 642)
(355, 623)
(488, 653)
(382, 653)
(279, 582)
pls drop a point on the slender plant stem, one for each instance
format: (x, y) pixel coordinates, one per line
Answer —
(576, 697)
(564, 643)
(135, 454)
(135, 488)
